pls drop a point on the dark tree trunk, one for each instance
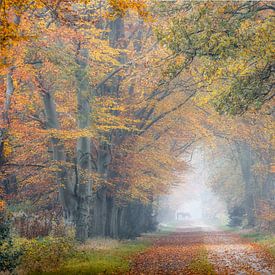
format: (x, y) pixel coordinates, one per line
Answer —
(246, 161)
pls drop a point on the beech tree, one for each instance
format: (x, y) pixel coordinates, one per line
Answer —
(101, 99)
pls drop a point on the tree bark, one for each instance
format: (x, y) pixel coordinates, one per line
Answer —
(83, 150)
(65, 180)
(246, 162)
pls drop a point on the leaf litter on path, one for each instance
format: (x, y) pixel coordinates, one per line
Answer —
(203, 252)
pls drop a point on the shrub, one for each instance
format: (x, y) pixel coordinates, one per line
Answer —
(9, 255)
(45, 255)
(236, 216)
(38, 224)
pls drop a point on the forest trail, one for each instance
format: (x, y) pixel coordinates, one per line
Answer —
(201, 250)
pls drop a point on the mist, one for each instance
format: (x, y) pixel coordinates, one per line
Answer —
(192, 202)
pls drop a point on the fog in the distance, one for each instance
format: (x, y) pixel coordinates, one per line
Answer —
(192, 202)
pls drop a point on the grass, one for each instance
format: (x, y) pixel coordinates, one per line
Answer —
(167, 229)
(266, 240)
(229, 228)
(201, 264)
(103, 257)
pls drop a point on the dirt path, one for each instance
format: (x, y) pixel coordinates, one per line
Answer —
(231, 254)
(200, 251)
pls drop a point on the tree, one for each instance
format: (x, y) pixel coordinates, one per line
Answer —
(97, 114)
(230, 46)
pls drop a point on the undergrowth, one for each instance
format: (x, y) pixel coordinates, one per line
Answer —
(104, 259)
(265, 240)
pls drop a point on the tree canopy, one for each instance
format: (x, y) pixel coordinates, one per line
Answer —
(101, 102)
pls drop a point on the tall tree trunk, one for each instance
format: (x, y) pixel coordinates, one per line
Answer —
(67, 193)
(100, 214)
(83, 150)
(114, 219)
(7, 103)
(9, 92)
(100, 199)
(102, 218)
(5, 116)
(246, 162)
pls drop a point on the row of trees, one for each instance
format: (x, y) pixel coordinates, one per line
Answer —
(241, 176)
(74, 120)
(98, 109)
(228, 48)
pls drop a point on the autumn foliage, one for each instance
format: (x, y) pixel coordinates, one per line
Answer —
(102, 100)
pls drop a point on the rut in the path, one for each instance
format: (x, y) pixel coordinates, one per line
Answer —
(200, 252)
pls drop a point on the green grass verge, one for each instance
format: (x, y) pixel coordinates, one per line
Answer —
(110, 261)
(229, 228)
(201, 264)
(166, 229)
(266, 240)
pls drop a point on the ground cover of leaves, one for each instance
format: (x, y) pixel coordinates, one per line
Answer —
(203, 251)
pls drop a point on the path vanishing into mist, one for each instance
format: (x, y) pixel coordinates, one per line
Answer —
(203, 250)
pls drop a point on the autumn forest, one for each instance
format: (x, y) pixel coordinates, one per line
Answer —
(136, 137)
